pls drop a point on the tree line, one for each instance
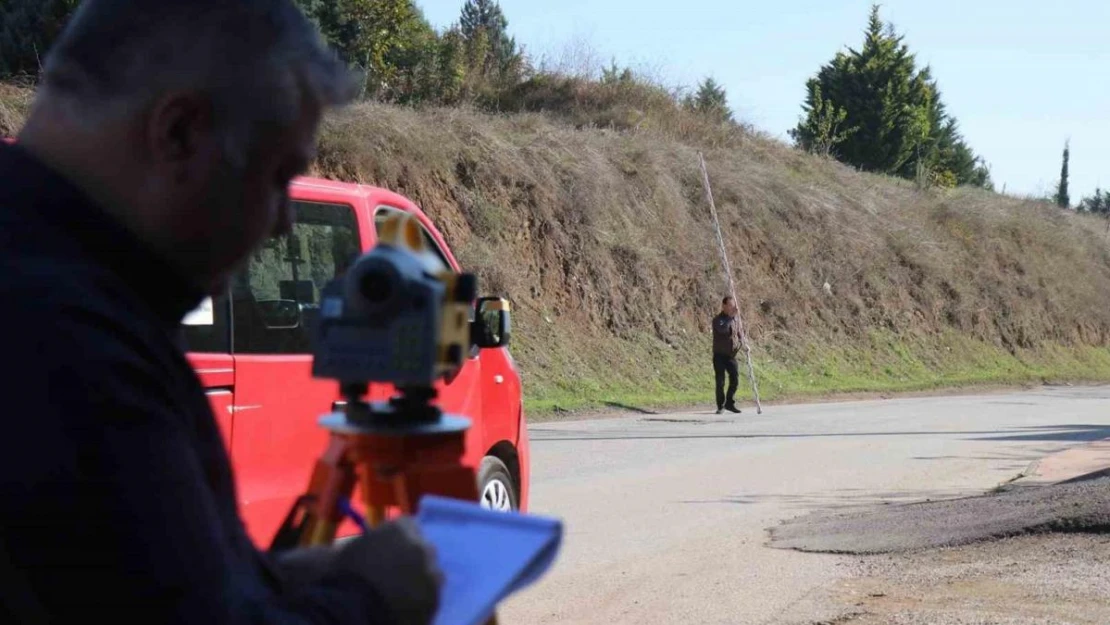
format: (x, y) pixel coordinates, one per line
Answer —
(406, 61)
(872, 108)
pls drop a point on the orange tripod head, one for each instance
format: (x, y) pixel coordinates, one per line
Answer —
(395, 453)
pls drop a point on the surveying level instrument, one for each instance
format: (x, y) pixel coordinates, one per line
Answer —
(398, 316)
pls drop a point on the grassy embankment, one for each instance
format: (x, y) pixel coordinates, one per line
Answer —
(590, 215)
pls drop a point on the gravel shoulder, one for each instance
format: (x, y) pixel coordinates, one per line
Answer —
(1023, 555)
(1050, 579)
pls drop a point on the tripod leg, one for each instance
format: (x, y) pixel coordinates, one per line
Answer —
(404, 498)
(372, 495)
(333, 477)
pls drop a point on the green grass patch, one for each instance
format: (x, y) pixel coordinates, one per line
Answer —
(647, 375)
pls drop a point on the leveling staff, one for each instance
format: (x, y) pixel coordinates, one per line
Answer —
(156, 158)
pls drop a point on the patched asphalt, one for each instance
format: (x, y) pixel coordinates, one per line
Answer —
(1079, 506)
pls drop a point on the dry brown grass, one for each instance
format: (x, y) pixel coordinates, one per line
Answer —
(610, 229)
(15, 101)
(631, 104)
(601, 237)
(603, 240)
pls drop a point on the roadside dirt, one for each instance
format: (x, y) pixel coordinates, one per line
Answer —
(1044, 580)
(944, 568)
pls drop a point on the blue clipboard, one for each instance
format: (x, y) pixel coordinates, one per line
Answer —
(485, 555)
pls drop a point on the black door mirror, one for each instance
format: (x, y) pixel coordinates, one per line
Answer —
(492, 324)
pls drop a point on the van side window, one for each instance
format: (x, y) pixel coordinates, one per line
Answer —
(276, 300)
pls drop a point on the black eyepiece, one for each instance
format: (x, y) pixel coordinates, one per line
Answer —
(376, 286)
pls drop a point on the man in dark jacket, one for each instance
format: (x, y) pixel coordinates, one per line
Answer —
(156, 158)
(726, 345)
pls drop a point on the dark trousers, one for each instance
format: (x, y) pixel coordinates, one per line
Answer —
(721, 366)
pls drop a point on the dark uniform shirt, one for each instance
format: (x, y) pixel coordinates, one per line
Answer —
(726, 335)
(117, 501)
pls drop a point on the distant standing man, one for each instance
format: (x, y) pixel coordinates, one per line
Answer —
(726, 345)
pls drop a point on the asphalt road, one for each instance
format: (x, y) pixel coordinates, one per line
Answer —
(667, 515)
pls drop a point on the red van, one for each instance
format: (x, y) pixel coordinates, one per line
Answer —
(255, 361)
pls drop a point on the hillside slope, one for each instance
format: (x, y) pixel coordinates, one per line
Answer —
(603, 241)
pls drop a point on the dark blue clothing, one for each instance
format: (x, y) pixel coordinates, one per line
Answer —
(117, 502)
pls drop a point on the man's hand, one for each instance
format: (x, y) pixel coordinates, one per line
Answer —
(396, 561)
(393, 559)
(305, 566)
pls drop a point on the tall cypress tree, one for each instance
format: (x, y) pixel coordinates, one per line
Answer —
(1063, 200)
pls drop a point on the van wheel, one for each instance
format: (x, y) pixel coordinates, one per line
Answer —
(495, 486)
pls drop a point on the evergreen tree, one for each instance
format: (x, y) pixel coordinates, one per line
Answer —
(823, 127)
(614, 75)
(883, 96)
(483, 25)
(451, 65)
(1099, 203)
(710, 100)
(1063, 200)
(874, 109)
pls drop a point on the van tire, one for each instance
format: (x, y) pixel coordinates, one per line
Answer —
(495, 486)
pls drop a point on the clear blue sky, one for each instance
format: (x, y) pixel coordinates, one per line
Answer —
(1021, 76)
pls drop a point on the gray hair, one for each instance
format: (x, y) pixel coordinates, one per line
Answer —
(256, 59)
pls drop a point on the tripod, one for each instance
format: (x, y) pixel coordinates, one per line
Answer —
(396, 452)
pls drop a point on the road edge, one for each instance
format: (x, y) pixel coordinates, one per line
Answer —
(975, 390)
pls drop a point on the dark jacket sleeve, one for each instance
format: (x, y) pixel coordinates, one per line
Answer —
(104, 506)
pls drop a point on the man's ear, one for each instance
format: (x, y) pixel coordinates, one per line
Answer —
(177, 126)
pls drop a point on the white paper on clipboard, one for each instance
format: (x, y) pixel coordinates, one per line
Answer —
(203, 315)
